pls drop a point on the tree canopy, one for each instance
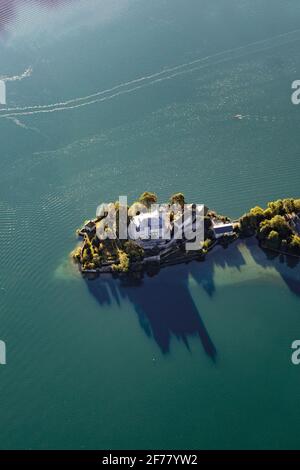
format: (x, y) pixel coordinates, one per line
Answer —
(177, 198)
(148, 198)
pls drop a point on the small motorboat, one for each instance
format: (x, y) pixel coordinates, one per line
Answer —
(238, 117)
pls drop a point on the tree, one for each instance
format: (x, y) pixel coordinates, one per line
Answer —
(294, 245)
(264, 231)
(148, 198)
(177, 198)
(97, 261)
(279, 224)
(289, 206)
(133, 250)
(257, 214)
(124, 263)
(76, 254)
(247, 224)
(273, 240)
(297, 205)
(207, 244)
(276, 207)
(268, 213)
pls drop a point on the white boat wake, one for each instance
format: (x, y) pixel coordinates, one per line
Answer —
(15, 78)
(149, 80)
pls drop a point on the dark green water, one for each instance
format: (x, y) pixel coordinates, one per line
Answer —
(199, 356)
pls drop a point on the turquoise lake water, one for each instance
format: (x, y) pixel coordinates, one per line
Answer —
(199, 356)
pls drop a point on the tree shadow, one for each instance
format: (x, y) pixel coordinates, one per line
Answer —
(220, 256)
(287, 266)
(164, 304)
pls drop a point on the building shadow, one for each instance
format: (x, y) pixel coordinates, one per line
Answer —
(164, 304)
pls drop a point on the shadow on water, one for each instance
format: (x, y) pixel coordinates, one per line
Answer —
(221, 257)
(288, 267)
(164, 304)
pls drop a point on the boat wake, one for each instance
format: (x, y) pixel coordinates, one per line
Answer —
(151, 79)
(15, 78)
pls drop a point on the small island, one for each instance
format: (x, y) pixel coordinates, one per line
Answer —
(277, 228)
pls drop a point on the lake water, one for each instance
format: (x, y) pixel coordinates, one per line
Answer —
(199, 356)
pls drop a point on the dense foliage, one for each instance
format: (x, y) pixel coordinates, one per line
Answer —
(148, 198)
(275, 225)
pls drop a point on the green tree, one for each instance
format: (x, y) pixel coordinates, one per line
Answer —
(177, 198)
(281, 226)
(148, 198)
(247, 224)
(273, 240)
(256, 215)
(264, 231)
(277, 207)
(289, 206)
(297, 205)
(124, 262)
(133, 250)
(268, 214)
(294, 245)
